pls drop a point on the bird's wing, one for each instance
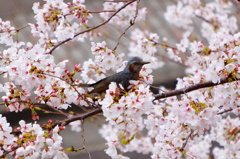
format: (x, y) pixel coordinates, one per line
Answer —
(92, 84)
(100, 86)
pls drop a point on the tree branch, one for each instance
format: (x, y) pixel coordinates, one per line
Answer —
(159, 96)
(79, 117)
(90, 29)
(194, 87)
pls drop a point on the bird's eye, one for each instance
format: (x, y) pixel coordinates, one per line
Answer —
(136, 63)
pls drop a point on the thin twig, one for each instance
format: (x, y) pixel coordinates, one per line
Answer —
(225, 111)
(22, 28)
(53, 76)
(90, 29)
(72, 85)
(185, 143)
(16, 30)
(131, 24)
(50, 112)
(53, 108)
(204, 19)
(101, 11)
(83, 139)
(76, 150)
(5, 153)
(152, 86)
(2, 73)
(57, 111)
(166, 46)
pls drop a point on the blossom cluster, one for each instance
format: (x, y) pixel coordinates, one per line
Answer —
(124, 17)
(6, 138)
(58, 21)
(7, 32)
(143, 43)
(105, 59)
(227, 133)
(33, 141)
(124, 115)
(30, 68)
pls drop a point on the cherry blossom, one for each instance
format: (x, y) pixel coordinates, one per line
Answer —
(105, 59)
(180, 15)
(143, 43)
(181, 125)
(6, 138)
(56, 20)
(76, 126)
(126, 15)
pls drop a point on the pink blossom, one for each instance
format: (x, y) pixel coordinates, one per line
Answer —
(125, 15)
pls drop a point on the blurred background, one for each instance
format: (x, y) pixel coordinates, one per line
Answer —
(19, 13)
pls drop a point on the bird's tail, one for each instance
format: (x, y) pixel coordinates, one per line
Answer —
(86, 85)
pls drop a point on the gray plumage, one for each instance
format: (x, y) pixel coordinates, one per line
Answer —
(131, 72)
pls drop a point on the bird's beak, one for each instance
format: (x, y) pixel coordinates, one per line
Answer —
(143, 63)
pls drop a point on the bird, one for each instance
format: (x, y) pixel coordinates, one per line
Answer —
(130, 72)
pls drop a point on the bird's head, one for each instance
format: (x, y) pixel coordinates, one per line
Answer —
(135, 64)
